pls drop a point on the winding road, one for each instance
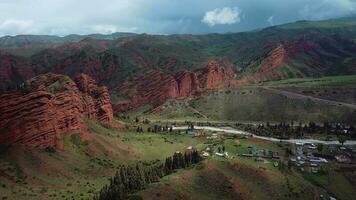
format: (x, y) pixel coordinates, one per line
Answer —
(238, 132)
(315, 99)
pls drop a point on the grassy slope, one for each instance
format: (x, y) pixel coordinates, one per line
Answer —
(328, 81)
(243, 178)
(84, 166)
(258, 103)
(239, 178)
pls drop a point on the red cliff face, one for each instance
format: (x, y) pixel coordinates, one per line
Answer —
(155, 86)
(97, 105)
(213, 76)
(277, 57)
(49, 106)
(188, 84)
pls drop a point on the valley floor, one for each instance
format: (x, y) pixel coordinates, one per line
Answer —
(84, 166)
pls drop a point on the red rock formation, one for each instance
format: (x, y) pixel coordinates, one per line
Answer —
(155, 86)
(188, 84)
(268, 70)
(49, 106)
(96, 99)
(213, 76)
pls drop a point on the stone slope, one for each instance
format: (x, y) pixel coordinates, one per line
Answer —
(48, 106)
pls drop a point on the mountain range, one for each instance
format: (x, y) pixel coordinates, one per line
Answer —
(141, 69)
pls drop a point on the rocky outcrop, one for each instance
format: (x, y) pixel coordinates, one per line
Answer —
(49, 106)
(155, 86)
(97, 105)
(213, 76)
(188, 84)
(278, 57)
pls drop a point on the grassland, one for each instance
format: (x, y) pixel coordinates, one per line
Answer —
(254, 104)
(235, 178)
(244, 178)
(302, 99)
(83, 166)
(328, 81)
(88, 160)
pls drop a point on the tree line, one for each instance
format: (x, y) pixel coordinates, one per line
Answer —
(130, 179)
(285, 130)
(158, 128)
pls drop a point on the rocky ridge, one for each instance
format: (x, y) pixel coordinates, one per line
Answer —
(155, 86)
(49, 106)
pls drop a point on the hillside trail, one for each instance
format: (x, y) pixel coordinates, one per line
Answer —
(315, 99)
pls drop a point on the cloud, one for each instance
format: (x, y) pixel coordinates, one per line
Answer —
(21, 26)
(325, 9)
(61, 17)
(222, 16)
(106, 29)
(270, 20)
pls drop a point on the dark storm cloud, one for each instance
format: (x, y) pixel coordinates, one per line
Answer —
(61, 17)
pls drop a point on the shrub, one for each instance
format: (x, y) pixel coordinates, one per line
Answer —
(50, 149)
(75, 138)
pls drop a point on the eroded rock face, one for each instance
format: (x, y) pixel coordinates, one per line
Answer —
(212, 76)
(188, 84)
(49, 106)
(278, 57)
(155, 86)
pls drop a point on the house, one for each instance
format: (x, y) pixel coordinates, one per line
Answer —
(311, 146)
(253, 149)
(205, 154)
(300, 163)
(213, 136)
(317, 159)
(220, 154)
(260, 159)
(314, 165)
(247, 155)
(299, 149)
(343, 158)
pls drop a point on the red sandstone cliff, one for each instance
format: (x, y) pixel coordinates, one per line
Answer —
(155, 86)
(278, 57)
(48, 106)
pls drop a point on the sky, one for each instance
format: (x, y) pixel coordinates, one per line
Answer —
(63, 17)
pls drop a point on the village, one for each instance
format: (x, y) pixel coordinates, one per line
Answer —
(323, 163)
(315, 159)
